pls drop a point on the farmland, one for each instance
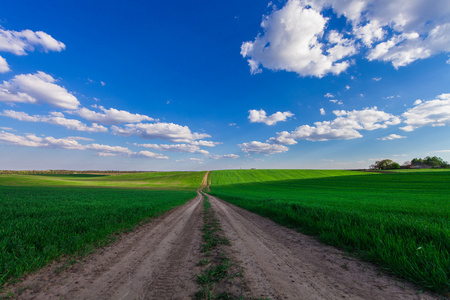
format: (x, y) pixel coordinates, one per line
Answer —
(147, 180)
(400, 221)
(44, 218)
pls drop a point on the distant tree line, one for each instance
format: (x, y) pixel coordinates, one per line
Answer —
(65, 172)
(416, 163)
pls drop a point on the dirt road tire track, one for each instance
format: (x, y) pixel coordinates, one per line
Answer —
(281, 263)
(156, 261)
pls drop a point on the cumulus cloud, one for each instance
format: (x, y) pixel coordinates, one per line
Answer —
(255, 147)
(110, 116)
(297, 38)
(322, 112)
(260, 116)
(291, 41)
(328, 95)
(428, 113)
(37, 88)
(392, 137)
(55, 118)
(377, 78)
(4, 67)
(31, 140)
(164, 131)
(186, 148)
(344, 127)
(282, 138)
(21, 42)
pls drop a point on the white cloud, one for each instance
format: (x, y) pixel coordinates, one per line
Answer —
(194, 160)
(322, 112)
(19, 42)
(205, 143)
(291, 41)
(102, 83)
(428, 113)
(328, 95)
(297, 37)
(265, 148)
(106, 154)
(347, 87)
(186, 148)
(223, 156)
(282, 138)
(337, 101)
(37, 88)
(377, 78)
(4, 67)
(417, 102)
(391, 137)
(110, 116)
(344, 127)
(442, 151)
(260, 116)
(164, 131)
(148, 154)
(55, 118)
(31, 140)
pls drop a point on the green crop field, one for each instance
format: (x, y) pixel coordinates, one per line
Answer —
(148, 180)
(401, 221)
(43, 219)
(226, 177)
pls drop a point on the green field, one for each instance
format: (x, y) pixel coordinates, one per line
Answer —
(227, 177)
(400, 221)
(147, 180)
(43, 218)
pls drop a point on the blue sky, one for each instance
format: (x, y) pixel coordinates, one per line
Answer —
(202, 85)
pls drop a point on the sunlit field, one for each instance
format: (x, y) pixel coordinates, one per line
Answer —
(400, 221)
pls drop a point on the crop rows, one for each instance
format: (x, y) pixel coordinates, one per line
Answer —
(399, 221)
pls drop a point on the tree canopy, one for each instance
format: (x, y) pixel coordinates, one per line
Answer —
(385, 164)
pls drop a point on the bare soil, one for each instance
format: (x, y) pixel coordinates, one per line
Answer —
(159, 261)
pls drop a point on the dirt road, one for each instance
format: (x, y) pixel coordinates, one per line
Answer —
(159, 261)
(281, 263)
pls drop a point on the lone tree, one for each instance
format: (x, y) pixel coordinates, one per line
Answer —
(385, 164)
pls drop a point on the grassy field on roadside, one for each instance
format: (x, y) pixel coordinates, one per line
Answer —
(45, 217)
(147, 180)
(226, 177)
(400, 221)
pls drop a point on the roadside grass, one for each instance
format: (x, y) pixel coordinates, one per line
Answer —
(40, 224)
(148, 180)
(400, 221)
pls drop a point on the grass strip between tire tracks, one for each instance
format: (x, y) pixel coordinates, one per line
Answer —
(221, 278)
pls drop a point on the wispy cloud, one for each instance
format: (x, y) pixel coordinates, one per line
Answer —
(391, 137)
